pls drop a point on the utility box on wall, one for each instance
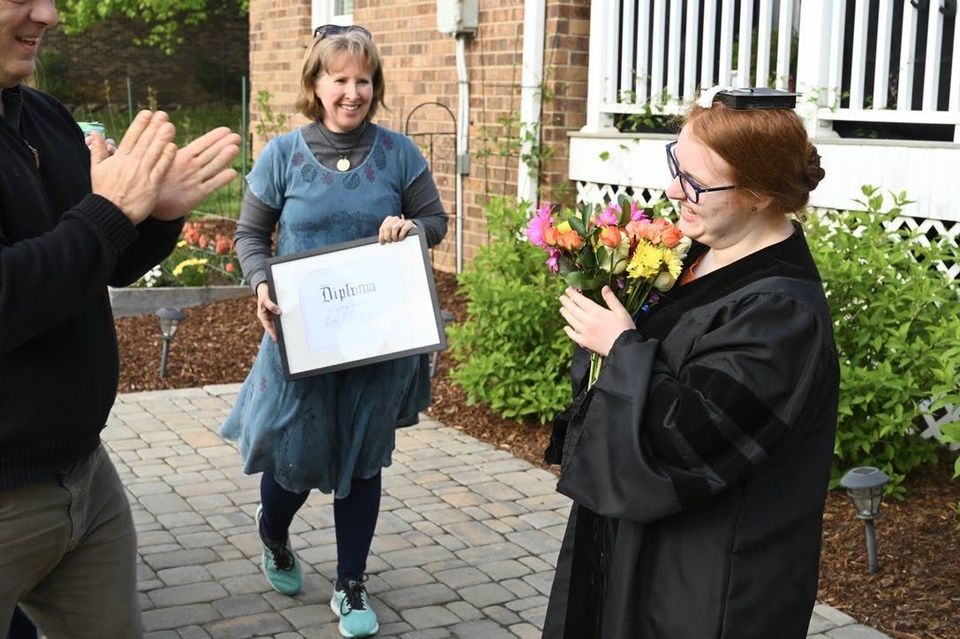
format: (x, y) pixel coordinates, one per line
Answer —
(457, 16)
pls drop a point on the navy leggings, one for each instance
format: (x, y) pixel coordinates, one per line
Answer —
(21, 627)
(354, 516)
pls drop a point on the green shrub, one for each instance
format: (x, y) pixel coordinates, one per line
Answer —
(895, 320)
(511, 352)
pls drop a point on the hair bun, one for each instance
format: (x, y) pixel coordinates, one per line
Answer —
(814, 172)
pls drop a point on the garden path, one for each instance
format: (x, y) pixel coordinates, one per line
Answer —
(465, 546)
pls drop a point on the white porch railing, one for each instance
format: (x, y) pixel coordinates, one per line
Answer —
(885, 62)
(898, 69)
(655, 54)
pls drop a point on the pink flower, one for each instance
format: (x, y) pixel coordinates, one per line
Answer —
(636, 213)
(553, 261)
(638, 229)
(538, 225)
(229, 267)
(609, 217)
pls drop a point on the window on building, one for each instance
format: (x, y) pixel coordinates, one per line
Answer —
(331, 12)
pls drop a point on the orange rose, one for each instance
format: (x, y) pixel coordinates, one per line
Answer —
(647, 231)
(610, 236)
(571, 241)
(551, 236)
(670, 235)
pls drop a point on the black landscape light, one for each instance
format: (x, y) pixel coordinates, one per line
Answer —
(170, 319)
(865, 487)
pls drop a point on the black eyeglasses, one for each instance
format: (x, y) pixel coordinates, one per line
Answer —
(326, 30)
(691, 188)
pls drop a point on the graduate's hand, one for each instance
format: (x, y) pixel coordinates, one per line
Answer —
(592, 326)
(266, 310)
(394, 228)
(199, 169)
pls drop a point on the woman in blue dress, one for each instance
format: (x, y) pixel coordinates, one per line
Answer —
(339, 178)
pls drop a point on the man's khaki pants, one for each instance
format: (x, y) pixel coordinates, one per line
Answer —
(68, 551)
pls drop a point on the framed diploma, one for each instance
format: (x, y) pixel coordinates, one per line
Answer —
(353, 304)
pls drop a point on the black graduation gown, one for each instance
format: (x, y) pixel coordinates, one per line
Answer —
(699, 461)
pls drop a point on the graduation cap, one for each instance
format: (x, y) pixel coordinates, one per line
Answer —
(758, 98)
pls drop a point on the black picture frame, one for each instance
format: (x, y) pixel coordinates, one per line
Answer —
(287, 273)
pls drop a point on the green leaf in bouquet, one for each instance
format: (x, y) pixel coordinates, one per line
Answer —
(577, 279)
(604, 257)
(578, 226)
(625, 206)
(587, 258)
(585, 211)
(586, 280)
(566, 264)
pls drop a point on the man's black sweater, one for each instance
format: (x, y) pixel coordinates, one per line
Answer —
(60, 246)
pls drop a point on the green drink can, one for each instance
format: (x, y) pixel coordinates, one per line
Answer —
(91, 127)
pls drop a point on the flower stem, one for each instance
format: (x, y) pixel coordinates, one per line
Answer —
(596, 362)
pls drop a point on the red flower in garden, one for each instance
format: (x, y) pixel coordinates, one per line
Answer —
(223, 245)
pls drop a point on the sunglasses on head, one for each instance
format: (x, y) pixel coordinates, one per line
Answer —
(327, 30)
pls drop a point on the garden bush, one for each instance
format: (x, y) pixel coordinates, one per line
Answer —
(511, 352)
(897, 331)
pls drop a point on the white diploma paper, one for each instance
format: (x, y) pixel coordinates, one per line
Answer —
(356, 305)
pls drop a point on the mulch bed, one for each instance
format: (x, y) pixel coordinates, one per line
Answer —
(915, 594)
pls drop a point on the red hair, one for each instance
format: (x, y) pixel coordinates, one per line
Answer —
(767, 150)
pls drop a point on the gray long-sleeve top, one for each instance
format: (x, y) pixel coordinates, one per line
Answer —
(421, 200)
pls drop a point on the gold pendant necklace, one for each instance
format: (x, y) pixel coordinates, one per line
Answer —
(343, 163)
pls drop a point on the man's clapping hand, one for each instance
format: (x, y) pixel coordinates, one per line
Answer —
(133, 176)
(199, 169)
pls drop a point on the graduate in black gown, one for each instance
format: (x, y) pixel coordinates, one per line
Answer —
(698, 463)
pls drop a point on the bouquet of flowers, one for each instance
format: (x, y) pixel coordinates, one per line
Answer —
(620, 246)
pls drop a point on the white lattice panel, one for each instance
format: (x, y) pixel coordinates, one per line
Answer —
(939, 229)
(935, 422)
(593, 193)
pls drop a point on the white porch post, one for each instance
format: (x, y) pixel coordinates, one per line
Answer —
(599, 75)
(812, 62)
(531, 93)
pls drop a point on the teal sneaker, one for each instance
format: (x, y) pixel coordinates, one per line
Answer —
(352, 606)
(280, 565)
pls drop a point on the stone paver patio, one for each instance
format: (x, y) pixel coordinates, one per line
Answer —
(465, 545)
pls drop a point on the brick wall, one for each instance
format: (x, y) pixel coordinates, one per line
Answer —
(279, 33)
(420, 68)
(206, 67)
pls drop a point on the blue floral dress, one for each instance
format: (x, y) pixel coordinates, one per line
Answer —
(320, 432)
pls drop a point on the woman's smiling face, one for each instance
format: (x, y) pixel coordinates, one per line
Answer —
(345, 91)
(721, 218)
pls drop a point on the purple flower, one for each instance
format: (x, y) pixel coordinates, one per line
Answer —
(539, 223)
(552, 261)
(636, 213)
(610, 216)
